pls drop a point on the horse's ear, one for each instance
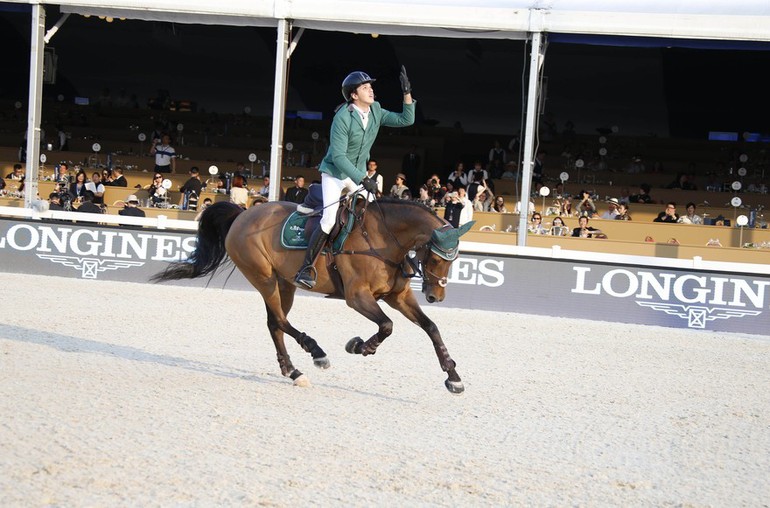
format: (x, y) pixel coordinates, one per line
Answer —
(465, 228)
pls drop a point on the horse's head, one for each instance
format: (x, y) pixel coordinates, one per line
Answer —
(440, 251)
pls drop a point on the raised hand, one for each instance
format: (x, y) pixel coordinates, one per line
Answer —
(406, 86)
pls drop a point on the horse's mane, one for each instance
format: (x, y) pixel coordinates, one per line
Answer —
(388, 200)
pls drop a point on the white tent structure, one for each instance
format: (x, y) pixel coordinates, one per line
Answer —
(531, 20)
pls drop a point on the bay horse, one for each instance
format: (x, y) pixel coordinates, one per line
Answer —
(389, 242)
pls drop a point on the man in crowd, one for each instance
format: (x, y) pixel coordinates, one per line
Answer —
(297, 193)
(118, 180)
(96, 187)
(371, 172)
(88, 206)
(132, 207)
(668, 215)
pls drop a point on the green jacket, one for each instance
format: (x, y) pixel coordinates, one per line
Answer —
(349, 143)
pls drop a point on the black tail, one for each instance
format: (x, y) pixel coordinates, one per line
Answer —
(210, 251)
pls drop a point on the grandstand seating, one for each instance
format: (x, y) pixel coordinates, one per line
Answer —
(223, 140)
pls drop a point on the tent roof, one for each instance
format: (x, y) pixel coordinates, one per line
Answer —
(746, 20)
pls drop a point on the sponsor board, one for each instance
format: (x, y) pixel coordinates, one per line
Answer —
(559, 288)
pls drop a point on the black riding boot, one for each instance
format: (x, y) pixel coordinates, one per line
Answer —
(306, 275)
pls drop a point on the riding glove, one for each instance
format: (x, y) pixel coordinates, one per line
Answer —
(406, 86)
(370, 185)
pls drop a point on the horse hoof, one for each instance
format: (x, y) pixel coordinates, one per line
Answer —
(302, 381)
(454, 386)
(322, 362)
(354, 346)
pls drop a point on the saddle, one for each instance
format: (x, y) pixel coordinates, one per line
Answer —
(298, 227)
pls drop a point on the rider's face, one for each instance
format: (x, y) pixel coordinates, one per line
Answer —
(364, 95)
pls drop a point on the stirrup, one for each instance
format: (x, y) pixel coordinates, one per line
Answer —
(309, 281)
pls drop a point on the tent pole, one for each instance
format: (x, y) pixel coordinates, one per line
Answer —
(34, 113)
(279, 108)
(529, 137)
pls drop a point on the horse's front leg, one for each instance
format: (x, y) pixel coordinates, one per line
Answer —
(406, 303)
(365, 304)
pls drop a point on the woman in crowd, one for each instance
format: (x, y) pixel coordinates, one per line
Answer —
(499, 205)
(623, 212)
(238, 193)
(156, 191)
(78, 188)
(424, 198)
(400, 187)
(558, 228)
(536, 224)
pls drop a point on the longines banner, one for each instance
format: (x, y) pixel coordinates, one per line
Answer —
(559, 288)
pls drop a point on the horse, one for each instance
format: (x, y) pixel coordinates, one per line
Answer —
(389, 242)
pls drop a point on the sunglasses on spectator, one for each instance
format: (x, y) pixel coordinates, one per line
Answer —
(537, 218)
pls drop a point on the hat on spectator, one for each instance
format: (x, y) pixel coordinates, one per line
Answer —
(132, 199)
(614, 201)
(401, 176)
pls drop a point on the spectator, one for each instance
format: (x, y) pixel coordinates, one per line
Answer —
(585, 231)
(477, 182)
(165, 155)
(95, 186)
(157, 193)
(612, 209)
(466, 215)
(78, 188)
(87, 205)
(106, 177)
(586, 206)
(264, 191)
(132, 208)
(499, 205)
(238, 193)
(54, 202)
(458, 176)
(17, 173)
(425, 198)
(484, 200)
(668, 215)
(477, 174)
(206, 203)
(558, 227)
(691, 217)
(623, 212)
(371, 172)
(61, 135)
(400, 186)
(297, 193)
(497, 152)
(643, 196)
(118, 180)
(64, 175)
(193, 188)
(435, 190)
(453, 209)
(536, 224)
(510, 171)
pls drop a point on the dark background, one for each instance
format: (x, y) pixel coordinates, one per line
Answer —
(661, 91)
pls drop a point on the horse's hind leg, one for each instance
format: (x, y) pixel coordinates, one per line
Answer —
(278, 301)
(307, 343)
(406, 303)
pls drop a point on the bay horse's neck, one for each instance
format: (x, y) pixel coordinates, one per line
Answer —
(410, 223)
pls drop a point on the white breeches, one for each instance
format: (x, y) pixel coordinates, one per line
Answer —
(332, 188)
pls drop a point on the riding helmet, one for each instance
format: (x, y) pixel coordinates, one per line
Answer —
(353, 81)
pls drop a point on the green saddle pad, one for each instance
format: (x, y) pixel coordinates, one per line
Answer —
(293, 232)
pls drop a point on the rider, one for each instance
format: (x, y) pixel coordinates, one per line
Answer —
(353, 131)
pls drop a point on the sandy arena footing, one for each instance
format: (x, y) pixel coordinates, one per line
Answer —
(118, 394)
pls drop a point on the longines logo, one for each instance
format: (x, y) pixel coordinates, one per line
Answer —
(93, 251)
(698, 299)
